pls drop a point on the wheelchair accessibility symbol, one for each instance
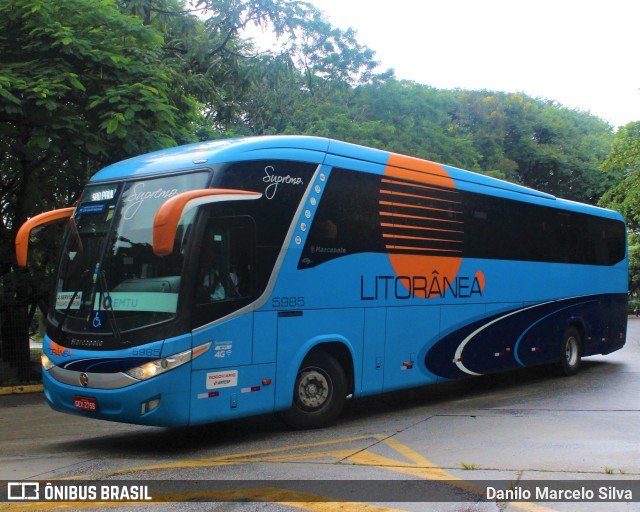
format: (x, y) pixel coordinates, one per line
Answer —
(97, 320)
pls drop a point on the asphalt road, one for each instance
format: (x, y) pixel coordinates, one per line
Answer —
(436, 448)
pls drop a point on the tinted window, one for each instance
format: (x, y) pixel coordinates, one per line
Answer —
(368, 213)
(109, 279)
(347, 220)
(498, 228)
(282, 185)
(224, 280)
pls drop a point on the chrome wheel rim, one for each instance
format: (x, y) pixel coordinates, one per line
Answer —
(571, 351)
(313, 389)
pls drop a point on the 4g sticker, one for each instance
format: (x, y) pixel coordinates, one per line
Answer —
(222, 350)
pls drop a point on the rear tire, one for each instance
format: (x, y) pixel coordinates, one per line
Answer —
(571, 353)
(319, 393)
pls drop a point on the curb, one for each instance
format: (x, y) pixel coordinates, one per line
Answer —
(15, 390)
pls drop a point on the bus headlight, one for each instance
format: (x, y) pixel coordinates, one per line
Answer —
(159, 366)
(47, 364)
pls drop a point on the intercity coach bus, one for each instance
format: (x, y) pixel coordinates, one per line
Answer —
(287, 274)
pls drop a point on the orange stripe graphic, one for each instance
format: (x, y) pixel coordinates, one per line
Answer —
(407, 237)
(387, 203)
(427, 175)
(405, 216)
(405, 194)
(422, 228)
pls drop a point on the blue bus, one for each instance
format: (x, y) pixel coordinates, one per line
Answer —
(288, 273)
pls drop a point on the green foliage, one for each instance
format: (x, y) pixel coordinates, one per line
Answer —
(634, 265)
(508, 136)
(622, 166)
(539, 144)
(87, 82)
(311, 51)
(324, 52)
(82, 85)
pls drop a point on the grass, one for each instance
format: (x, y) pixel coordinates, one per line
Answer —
(611, 471)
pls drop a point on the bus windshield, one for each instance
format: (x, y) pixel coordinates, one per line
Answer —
(109, 279)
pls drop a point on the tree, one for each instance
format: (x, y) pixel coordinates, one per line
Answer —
(316, 48)
(534, 142)
(622, 166)
(88, 82)
(634, 265)
(311, 58)
(82, 85)
(509, 136)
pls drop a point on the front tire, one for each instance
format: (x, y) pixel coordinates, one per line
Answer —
(319, 392)
(571, 353)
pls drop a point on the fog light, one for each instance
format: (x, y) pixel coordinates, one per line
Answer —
(149, 405)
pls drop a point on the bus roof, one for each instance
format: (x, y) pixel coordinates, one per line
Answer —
(304, 148)
(287, 147)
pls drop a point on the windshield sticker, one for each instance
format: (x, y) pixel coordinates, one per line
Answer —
(64, 298)
(137, 301)
(225, 379)
(89, 209)
(97, 320)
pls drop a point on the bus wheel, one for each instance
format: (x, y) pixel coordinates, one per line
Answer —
(571, 353)
(319, 392)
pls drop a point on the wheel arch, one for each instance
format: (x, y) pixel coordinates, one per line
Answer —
(579, 325)
(343, 354)
(570, 359)
(336, 346)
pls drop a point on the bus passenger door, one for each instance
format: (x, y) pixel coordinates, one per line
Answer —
(225, 382)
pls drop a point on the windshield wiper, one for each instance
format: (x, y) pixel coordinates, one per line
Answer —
(65, 313)
(71, 268)
(109, 301)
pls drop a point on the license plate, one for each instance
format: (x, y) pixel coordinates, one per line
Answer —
(85, 403)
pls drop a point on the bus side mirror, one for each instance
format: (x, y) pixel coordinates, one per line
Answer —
(22, 240)
(165, 223)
